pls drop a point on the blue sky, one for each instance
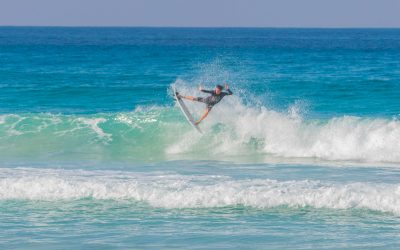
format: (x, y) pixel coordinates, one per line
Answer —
(210, 13)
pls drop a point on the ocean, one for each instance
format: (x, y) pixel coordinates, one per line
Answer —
(95, 154)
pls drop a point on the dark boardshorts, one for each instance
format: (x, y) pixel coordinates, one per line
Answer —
(205, 100)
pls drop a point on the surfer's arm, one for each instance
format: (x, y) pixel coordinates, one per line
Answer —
(205, 91)
(229, 92)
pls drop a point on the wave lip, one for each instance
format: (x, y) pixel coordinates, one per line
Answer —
(179, 191)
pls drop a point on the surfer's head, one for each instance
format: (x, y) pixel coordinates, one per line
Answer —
(218, 89)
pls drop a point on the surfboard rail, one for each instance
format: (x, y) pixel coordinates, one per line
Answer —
(186, 111)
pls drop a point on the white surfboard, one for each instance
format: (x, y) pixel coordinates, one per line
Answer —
(185, 111)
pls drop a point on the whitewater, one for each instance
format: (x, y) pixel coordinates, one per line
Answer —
(195, 191)
(242, 131)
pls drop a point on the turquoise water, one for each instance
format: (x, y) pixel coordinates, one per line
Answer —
(94, 153)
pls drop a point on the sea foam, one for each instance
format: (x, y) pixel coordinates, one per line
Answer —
(195, 191)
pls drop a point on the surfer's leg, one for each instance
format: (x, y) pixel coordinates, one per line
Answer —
(203, 116)
(192, 98)
(188, 97)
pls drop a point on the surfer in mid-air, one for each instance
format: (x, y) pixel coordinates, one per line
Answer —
(216, 96)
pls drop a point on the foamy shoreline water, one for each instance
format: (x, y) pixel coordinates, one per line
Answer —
(182, 191)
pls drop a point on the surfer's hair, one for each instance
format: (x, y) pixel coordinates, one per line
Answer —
(220, 87)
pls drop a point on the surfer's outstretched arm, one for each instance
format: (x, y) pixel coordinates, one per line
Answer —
(229, 92)
(203, 116)
(205, 91)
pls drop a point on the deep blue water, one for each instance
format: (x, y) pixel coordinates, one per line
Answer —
(83, 70)
(95, 154)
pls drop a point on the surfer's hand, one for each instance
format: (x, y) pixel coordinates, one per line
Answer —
(200, 88)
(226, 86)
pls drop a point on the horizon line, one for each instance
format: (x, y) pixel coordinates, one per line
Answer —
(200, 27)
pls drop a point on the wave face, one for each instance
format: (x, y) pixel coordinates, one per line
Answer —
(195, 191)
(232, 131)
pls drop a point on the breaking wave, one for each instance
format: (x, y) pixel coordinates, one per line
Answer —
(232, 130)
(193, 191)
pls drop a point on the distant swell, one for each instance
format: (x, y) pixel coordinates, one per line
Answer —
(232, 131)
(179, 191)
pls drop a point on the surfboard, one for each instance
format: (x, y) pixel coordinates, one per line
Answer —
(185, 111)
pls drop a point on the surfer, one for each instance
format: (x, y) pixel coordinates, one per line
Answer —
(216, 96)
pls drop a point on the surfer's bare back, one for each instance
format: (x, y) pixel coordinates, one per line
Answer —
(216, 96)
